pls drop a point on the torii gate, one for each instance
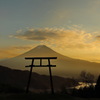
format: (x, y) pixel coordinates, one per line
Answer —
(32, 65)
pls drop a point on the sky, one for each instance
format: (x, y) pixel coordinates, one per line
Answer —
(70, 27)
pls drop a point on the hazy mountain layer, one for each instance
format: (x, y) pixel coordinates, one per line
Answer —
(66, 66)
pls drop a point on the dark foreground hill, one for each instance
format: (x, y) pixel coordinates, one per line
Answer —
(18, 78)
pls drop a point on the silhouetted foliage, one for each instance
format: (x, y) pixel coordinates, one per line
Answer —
(86, 92)
(87, 77)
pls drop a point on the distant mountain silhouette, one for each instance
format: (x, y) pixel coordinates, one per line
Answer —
(66, 66)
(42, 51)
(18, 78)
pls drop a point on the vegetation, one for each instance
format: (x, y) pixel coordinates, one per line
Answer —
(88, 92)
(87, 77)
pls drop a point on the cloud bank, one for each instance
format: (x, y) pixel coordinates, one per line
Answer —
(64, 38)
(9, 52)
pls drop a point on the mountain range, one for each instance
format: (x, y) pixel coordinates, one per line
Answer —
(65, 66)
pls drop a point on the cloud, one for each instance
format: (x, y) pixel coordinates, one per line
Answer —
(97, 41)
(21, 47)
(98, 37)
(19, 31)
(64, 38)
(40, 34)
(9, 52)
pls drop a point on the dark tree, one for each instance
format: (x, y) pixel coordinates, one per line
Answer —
(97, 86)
(98, 81)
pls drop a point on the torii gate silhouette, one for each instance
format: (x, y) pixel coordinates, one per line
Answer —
(32, 65)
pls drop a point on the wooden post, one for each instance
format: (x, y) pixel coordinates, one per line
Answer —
(27, 89)
(40, 62)
(51, 81)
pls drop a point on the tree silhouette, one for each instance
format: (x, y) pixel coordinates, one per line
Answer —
(87, 77)
(97, 87)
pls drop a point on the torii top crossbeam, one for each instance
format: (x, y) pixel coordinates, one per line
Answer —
(40, 57)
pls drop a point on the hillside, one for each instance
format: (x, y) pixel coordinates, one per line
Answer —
(18, 78)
